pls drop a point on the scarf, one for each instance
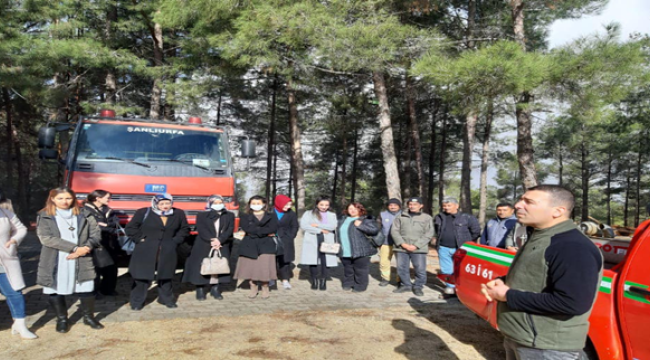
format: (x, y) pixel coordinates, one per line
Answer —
(154, 204)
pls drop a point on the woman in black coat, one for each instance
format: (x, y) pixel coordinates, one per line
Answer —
(209, 238)
(356, 249)
(96, 204)
(287, 231)
(157, 232)
(257, 250)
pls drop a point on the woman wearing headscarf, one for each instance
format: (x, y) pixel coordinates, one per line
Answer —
(65, 266)
(12, 233)
(215, 227)
(157, 232)
(287, 231)
(96, 204)
(257, 250)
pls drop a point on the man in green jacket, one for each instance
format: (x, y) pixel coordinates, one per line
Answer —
(412, 231)
(545, 300)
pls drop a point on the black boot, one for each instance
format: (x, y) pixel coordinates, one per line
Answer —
(61, 309)
(322, 285)
(215, 292)
(314, 284)
(200, 293)
(88, 311)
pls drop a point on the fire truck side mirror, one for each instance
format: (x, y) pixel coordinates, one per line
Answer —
(46, 154)
(248, 149)
(46, 137)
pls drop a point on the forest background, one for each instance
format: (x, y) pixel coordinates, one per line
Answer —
(357, 100)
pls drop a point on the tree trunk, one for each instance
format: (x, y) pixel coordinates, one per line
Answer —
(156, 91)
(608, 191)
(525, 150)
(637, 213)
(344, 161)
(111, 81)
(9, 132)
(484, 164)
(415, 135)
(387, 146)
(626, 206)
(469, 135)
(441, 158)
(561, 167)
(432, 161)
(406, 163)
(471, 23)
(296, 149)
(219, 108)
(275, 169)
(13, 137)
(336, 176)
(271, 142)
(584, 213)
(354, 166)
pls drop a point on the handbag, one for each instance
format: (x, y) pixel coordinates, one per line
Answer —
(126, 243)
(328, 248)
(215, 265)
(376, 240)
(279, 245)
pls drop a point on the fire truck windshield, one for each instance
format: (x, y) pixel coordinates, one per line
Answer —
(156, 149)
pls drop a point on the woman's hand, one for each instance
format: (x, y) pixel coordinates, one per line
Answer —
(102, 224)
(357, 223)
(81, 251)
(325, 232)
(314, 225)
(9, 243)
(216, 244)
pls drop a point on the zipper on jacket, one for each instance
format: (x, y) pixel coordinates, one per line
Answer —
(532, 326)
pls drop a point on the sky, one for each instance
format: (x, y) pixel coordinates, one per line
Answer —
(632, 15)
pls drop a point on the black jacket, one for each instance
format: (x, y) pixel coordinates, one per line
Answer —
(105, 254)
(156, 244)
(287, 231)
(201, 248)
(466, 228)
(359, 243)
(257, 240)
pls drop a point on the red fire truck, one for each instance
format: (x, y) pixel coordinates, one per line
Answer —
(136, 158)
(622, 309)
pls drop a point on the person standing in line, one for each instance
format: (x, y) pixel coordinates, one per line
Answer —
(96, 204)
(12, 233)
(287, 231)
(157, 231)
(498, 229)
(412, 232)
(452, 229)
(66, 266)
(257, 250)
(215, 228)
(545, 300)
(393, 210)
(356, 249)
(318, 226)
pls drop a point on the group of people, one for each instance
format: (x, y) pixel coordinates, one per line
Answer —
(554, 287)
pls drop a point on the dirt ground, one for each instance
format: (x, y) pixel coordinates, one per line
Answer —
(435, 331)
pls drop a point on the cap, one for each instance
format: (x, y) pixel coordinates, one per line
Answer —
(394, 201)
(415, 199)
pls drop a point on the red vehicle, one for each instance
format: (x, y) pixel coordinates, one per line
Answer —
(621, 312)
(136, 158)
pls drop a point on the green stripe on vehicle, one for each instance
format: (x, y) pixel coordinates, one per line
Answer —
(632, 296)
(606, 285)
(488, 255)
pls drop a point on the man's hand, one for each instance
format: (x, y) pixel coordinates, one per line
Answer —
(409, 247)
(512, 248)
(433, 241)
(495, 290)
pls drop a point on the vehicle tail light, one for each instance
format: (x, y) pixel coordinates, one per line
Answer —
(107, 113)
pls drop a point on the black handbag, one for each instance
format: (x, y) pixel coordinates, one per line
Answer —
(102, 258)
(279, 245)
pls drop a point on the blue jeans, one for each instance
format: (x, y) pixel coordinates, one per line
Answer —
(419, 261)
(446, 259)
(15, 299)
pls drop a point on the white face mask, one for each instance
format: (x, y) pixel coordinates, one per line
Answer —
(217, 207)
(257, 207)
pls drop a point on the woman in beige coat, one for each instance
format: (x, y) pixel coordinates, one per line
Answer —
(12, 232)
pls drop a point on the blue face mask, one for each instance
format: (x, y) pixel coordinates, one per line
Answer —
(217, 207)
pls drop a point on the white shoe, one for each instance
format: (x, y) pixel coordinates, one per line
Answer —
(19, 327)
(450, 290)
(286, 285)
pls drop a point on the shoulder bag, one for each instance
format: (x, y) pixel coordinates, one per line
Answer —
(215, 265)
